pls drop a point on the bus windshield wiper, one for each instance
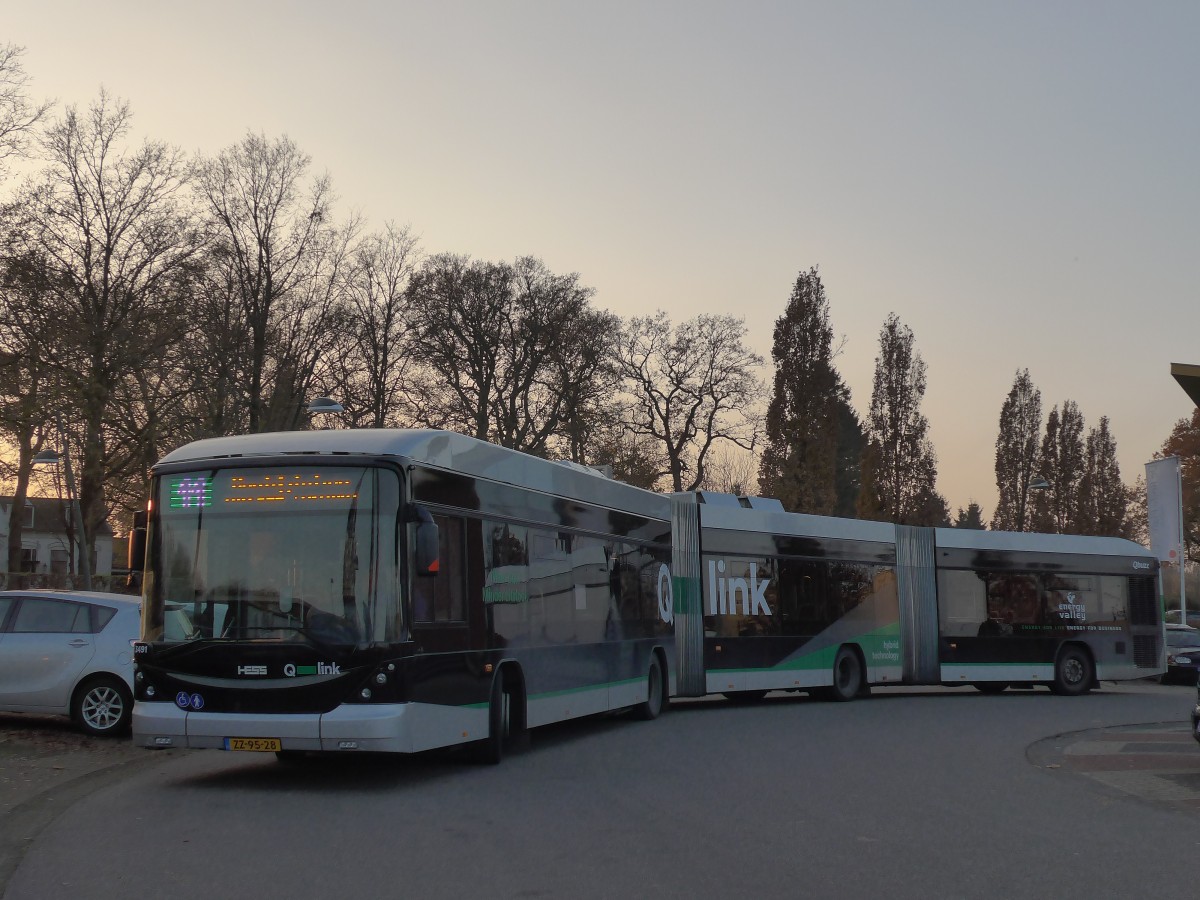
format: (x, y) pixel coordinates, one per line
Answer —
(318, 640)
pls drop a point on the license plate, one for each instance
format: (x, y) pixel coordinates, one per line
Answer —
(260, 745)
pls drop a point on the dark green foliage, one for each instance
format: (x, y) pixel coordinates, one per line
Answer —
(1017, 453)
(971, 517)
(899, 471)
(810, 462)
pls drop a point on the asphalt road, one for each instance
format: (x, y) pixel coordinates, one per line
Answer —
(909, 794)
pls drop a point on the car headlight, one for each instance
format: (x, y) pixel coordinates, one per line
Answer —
(1180, 660)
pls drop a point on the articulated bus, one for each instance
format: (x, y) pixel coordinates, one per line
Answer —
(402, 590)
(397, 590)
(784, 601)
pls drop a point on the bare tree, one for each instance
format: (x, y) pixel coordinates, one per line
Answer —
(558, 358)
(514, 353)
(24, 379)
(19, 115)
(732, 471)
(373, 369)
(456, 305)
(114, 239)
(691, 388)
(273, 230)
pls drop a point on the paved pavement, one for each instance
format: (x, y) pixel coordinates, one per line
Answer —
(1159, 764)
(45, 767)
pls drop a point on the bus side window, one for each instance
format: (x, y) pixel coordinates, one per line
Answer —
(443, 599)
(426, 549)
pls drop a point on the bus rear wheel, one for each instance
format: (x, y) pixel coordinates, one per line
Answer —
(745, 697)
(1073, 673)
(990, 687)
(652, 706)
(847, 676)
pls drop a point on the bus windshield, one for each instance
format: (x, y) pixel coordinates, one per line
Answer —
(282, 553)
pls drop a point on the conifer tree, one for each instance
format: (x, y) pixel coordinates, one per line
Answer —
(971, 517)
(1103, 497)
(899, 466)
(1016, 453)
(809, 407)
(851, 443)
(1061, 466)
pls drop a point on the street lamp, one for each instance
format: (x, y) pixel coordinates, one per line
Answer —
(320, 405)
(324, 405)
(52, 458)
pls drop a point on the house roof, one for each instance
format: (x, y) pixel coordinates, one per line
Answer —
(48, 514)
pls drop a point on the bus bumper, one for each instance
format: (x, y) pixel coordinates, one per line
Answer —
(379, 728)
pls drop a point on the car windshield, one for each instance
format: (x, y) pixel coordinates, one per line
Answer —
(275, 553)
(1177, 637)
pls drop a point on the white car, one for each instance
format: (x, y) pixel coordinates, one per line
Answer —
(69, 653)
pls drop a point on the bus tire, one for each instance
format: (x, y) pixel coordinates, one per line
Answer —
(652, 706)
(990, 687)
(491, 749)
(847, 676)
(744, 697)
(1073, 672)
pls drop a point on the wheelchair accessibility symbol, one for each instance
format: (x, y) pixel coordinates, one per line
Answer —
(184, 700)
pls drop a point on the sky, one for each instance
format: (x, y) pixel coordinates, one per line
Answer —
(1015, 180)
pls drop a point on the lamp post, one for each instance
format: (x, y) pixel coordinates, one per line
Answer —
(53, 458)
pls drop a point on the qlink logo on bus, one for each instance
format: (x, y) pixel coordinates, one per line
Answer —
(728, 595)
(291, 670)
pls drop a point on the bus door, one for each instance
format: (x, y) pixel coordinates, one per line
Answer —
(440, 614)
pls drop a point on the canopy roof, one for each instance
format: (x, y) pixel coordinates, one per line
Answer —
(1189, 379)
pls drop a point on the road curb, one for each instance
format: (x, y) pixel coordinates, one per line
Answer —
(1157, 762)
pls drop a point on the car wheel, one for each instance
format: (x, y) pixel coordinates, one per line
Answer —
(103, 706)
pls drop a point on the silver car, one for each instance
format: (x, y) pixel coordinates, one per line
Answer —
(69, 653)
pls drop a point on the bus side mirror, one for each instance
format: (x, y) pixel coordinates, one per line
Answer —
(425, 541)
(136, 562)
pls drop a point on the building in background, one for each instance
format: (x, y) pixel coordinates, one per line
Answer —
(46, 547)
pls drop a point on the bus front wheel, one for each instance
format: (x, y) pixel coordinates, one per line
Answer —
(1073, 672)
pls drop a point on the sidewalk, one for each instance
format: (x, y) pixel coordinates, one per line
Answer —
(1157, 763)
